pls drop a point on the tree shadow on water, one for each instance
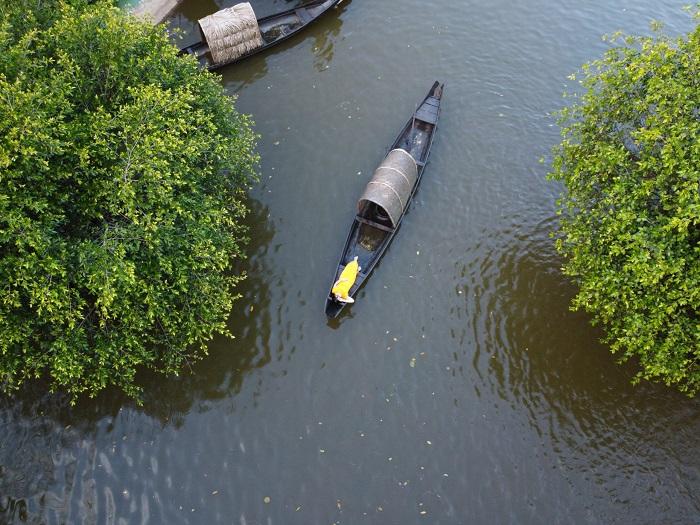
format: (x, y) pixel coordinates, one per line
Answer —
(220, 374)
(549, 366)
(44, 441)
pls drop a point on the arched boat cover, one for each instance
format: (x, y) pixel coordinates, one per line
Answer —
(231, 33)
(392, 184)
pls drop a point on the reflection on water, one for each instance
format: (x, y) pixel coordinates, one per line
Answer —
(567, 388)
(221, 374)
(49, 449)
(325, 31)
(326, 36)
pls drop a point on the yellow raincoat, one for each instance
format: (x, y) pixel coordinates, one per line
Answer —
(347, 278)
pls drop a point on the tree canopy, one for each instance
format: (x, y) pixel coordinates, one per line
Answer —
(630, 228)
(122, 172)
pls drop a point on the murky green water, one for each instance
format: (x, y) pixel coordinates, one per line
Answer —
(459, 388)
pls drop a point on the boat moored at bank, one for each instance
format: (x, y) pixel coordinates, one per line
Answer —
(234, 34)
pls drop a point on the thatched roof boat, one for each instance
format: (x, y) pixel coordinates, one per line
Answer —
(234, 34)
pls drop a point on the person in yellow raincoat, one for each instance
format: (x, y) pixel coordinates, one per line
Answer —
(342, 286)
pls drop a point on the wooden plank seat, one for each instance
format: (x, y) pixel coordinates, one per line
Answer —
(374, 224)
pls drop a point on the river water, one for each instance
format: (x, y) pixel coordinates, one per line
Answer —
(459, 388)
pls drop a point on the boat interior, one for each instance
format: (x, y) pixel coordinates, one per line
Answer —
(274, 28)
(279, 27)
(417, 139)
(372, 226)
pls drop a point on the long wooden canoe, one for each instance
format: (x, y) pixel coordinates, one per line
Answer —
(273, 29)
(388, 195)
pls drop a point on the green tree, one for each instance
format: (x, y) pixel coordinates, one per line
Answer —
(122, 172)
(630, 228)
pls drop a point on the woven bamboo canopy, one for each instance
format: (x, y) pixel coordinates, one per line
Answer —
(231, 33)
(391, 184)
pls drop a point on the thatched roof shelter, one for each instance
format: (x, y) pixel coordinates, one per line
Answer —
(231, 33)
(392, 184)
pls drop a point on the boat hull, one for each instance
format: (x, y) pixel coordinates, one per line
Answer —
(368, 239)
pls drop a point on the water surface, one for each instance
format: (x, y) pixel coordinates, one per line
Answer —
(459, 388)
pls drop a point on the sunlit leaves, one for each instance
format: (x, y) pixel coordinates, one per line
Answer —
(122, 168)
(630, 160)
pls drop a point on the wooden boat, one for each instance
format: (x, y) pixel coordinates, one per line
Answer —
(273, 30)
(388, 195)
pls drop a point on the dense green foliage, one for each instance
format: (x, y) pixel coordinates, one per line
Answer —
(122, 168)
(630, 160)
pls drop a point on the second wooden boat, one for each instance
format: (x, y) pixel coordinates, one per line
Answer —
(388, 195)
(234, 34)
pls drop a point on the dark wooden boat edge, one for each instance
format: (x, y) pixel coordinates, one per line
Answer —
(301, 11)
(333, 308)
